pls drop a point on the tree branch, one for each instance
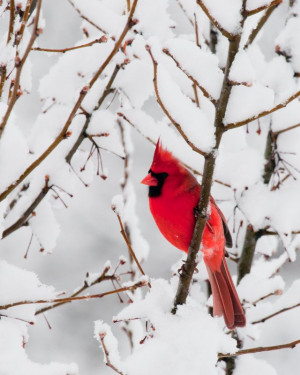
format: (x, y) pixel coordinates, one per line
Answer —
(260, 349)
(262, 320)
(190, 264)
(286, 129)
(103, 39)
(11, 20)
(135, 286)
(83, 92)
(223, 31)
(262, 114)
(106, 354)
(132, 253)
(82, 134)
(22, 220)
(260, 25)
(100, 279)
(166, 112)
(204, 91)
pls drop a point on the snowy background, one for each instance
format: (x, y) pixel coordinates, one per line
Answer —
(82, 237)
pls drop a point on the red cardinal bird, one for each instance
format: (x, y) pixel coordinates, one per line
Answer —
(173, 196)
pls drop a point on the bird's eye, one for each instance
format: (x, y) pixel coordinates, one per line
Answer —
(150, 171)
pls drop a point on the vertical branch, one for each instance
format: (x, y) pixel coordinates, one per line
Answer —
(11, 20)
(251, 237)
(190, 264)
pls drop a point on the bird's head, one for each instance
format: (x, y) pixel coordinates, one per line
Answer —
(165, 169)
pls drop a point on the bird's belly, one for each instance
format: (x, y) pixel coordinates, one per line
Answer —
(175, 220)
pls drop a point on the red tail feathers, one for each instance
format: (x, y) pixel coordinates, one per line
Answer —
(225, 297)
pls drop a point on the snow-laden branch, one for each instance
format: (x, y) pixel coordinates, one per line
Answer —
(85, 286)
(204, 91)
(215, 22)
(140, 283)
(62, 135)
(263, 113)
(273, 4)
(166, 112)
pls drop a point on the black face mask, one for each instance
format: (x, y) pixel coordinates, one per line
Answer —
(155, 191)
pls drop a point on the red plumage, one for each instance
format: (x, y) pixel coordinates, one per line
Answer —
(173, 195)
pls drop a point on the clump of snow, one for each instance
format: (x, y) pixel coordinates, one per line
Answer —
(249, 100)
(117, 204)
(248, 364)
(195, 125)
(261, 281)
(14, 359)
(192, 334)
(143, 87)
(227, 14)
(11, 141)
(17, 284)
(242, 69)
(102, 121)
(266, 245)
(198, 63)
(47, 234)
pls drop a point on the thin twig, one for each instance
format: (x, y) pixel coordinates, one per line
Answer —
(129, 245)
(166, 112)
(83, 92)
(263, 113)
(260, 349)
(2, 78)
(135, 286)
(196, 30)
(262, 320)
(106, 354)
(86, 18)
(286, 129)
(103, 39)
(226, 33)
(85, 286)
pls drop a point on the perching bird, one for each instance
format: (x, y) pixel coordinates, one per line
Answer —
(173, 196)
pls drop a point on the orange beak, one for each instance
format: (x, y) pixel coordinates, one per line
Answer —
(149, 180)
